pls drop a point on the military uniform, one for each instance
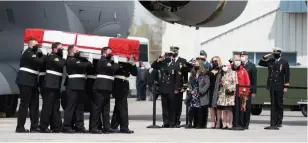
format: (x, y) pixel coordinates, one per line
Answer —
(91, 77)
(252, 72)
(170, 81)
(51, 97)
(102, 89)
(75, 86)
(120, 93)
(27, 81)
(278, 79)
(183, 69)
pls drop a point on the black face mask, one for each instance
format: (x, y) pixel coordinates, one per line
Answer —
(215, 64)
(60, 53)
(168, 60)
(276, 56)
(109, 56)
(35, 48)
(196, 68)
(77, 55)
(175, 54)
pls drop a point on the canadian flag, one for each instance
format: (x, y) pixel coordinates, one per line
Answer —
(86, 43)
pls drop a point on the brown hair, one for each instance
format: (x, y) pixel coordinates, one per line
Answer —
(202, 69)
(218, 60)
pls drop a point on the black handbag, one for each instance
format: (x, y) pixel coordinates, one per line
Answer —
(229, 92)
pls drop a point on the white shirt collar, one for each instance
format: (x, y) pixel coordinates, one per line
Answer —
(278, 59)
(176, 58)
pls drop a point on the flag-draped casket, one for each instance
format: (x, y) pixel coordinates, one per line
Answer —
(88, 44)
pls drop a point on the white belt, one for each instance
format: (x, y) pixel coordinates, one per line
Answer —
(53, 72)
(42, 73)
(77, 76)
(91, 76)
(120, 77)
(105, 76)
(29, 70)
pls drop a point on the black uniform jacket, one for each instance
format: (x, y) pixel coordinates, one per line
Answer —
(76, 69)
(170, 76)
(184, 69)
(54, 71)
(91, 76)
(105, 71)
(121, 83)
(278, 73)
(29, 68)
(252, 72)
(42, 72)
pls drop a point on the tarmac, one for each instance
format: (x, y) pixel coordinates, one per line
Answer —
(140, 114)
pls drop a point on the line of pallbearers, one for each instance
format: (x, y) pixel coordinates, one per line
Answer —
(210, 85)
(41, 73)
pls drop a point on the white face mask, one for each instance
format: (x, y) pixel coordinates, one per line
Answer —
(237, 63)
(224, 69)
(243, 59)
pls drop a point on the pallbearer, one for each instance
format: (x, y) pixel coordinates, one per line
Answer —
(52, 85)
(26, 79)
(120, 93)
(277, 84)
(76, 69)
(102, 89)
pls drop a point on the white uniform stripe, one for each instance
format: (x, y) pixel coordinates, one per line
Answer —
(105, 76)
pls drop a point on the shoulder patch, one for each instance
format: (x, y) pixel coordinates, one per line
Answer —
(56, 59)
(33, 55)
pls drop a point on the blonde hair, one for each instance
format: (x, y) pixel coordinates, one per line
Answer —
(218, 60)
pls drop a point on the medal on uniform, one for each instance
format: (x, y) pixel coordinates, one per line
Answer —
(56, 59)
(180, 65)
(109, 64)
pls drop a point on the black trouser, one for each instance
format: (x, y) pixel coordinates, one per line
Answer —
(29, 98)
(167, 101)
(178, 101)
(101, 103)
(198, 116)
(142, 88)
(276, 107)
(75, 105)
(51, 109)
(238, 115)
(248, 112)
(120, 112)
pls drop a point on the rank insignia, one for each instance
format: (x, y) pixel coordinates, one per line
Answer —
(57, 59)
(33, 55)
(109, 64)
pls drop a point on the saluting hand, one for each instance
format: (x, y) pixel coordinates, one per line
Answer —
(266, 56)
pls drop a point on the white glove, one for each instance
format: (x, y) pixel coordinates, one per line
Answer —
(150, 70)
(116, 59)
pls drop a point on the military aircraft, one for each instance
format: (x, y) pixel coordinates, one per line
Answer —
(105, 18)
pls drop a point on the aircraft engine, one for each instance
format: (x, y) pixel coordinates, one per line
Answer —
(196, 13)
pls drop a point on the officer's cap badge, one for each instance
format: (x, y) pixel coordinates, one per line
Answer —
(56, 59)
(109, 64)
(33, 55)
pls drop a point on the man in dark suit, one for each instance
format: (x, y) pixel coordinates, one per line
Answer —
(252, 72)
(181, 63)
(170, 86)
(277, 84)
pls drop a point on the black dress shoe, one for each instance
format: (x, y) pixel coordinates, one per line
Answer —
(70, 131)
(225, 128)
(271, 128)
(279, 125)
(22, 131)
(46, 130)
(246, 128)
(110, 131)
(165, 126)
(189, 127)
(82, 130)
(35, 130)
(126, 131)
(95, 131)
